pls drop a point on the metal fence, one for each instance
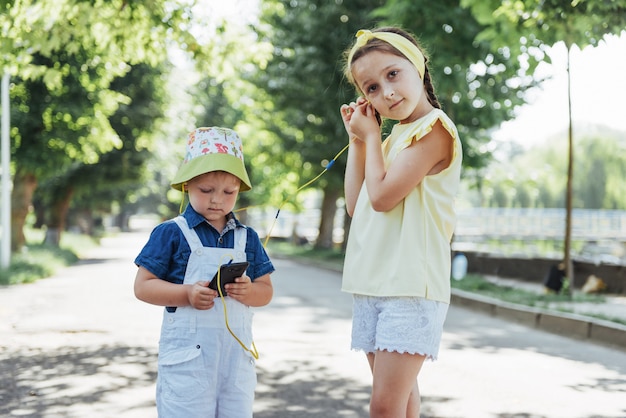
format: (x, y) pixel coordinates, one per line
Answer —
(531, 224)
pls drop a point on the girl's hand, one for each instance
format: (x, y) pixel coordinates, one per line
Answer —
(201, 296)
(364, 121)
(240, 289)
(347, 110)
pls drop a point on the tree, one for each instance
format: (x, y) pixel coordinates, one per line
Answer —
(55, 129)
(72, 48)
(535, 24)
(537, 172)
(304, 81)
(122, 172)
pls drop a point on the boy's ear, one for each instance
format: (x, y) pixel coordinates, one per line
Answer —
(185, 188)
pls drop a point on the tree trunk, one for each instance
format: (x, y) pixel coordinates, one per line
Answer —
(567, 260)
(57, 216)
(327, 218)
(24, 185)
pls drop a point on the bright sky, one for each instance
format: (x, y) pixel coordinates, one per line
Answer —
(598, 93)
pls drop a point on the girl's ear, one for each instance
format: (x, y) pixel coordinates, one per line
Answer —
(185, 188)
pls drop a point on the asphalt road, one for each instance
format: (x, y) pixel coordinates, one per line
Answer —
(80, 345)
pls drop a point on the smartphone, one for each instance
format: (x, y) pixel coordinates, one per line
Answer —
(228, 274)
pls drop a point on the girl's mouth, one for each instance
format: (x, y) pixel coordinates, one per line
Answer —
(395, 105)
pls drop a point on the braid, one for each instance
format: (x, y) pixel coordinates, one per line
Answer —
(430, 89)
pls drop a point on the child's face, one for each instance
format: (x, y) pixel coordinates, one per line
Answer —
(392, 85)
(213, 195)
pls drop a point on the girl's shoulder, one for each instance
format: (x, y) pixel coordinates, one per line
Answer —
(406, 133)
(437, 115)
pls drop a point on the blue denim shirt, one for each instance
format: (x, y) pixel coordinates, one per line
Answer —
(167, 252)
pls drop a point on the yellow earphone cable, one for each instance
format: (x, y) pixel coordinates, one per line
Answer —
(328, 167)
(253, 351)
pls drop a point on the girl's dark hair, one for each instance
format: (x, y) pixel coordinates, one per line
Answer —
(375, 44)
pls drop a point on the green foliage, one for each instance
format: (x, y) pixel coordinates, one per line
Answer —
(118, 32)
(38, 261)
(123, 174)
(536, 178)
(65, 57)
(526, 27)
(52, 127)
(304, 80)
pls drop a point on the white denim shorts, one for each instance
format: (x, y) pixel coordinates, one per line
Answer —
(410, 325)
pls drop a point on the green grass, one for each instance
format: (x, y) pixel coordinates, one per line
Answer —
(478, 284)
(37, 261)
(330, 258)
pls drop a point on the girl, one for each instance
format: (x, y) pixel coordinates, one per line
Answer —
(401, 199)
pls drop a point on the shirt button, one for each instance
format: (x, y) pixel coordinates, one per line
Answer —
(198, 346)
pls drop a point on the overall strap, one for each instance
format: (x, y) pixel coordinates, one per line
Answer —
(241, 238)
(190, 234)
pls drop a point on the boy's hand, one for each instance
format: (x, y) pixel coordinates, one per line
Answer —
(201, 296)
(240, 289)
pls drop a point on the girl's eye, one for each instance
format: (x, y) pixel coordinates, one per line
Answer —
(393, 73)
(372, 88)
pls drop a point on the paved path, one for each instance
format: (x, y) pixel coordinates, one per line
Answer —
(80, 345)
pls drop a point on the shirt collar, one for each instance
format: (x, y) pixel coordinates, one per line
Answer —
(194, 219)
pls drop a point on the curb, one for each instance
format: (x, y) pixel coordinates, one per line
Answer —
(569, 325)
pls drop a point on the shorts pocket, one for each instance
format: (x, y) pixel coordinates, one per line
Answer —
(182, 373)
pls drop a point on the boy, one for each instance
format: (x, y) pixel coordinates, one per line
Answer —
(203, 371)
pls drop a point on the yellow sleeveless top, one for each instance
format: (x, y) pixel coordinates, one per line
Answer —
(406, 251)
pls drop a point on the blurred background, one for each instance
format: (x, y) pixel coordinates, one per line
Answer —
(98, 97)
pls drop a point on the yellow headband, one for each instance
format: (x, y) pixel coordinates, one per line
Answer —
(406, 47)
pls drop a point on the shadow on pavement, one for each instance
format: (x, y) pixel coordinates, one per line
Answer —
(43, 382)
(308, 392)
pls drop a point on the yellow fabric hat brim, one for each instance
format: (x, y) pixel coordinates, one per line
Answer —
(212, 162)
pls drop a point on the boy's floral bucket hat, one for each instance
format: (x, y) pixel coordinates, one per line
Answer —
(212, 149)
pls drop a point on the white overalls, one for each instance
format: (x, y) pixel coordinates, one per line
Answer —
(203, 371)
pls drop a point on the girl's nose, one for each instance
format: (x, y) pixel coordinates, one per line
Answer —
(389, 93)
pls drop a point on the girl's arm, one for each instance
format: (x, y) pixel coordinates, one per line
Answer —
(430, 155)
(355, 174)
(355, 165)
(149, 288)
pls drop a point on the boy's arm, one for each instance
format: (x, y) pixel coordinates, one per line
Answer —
(252, 293)
(149, 288)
